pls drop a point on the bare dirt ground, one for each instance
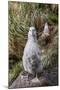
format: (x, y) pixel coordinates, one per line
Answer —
(46, 79)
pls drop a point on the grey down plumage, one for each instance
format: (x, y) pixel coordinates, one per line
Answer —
(32, 56)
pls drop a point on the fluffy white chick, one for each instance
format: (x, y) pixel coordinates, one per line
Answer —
(31, 56)
(46, 32)
(46, 29)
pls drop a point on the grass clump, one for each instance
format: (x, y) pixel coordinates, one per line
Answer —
(14, 72)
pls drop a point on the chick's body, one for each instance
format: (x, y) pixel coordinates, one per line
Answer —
(31, 58)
